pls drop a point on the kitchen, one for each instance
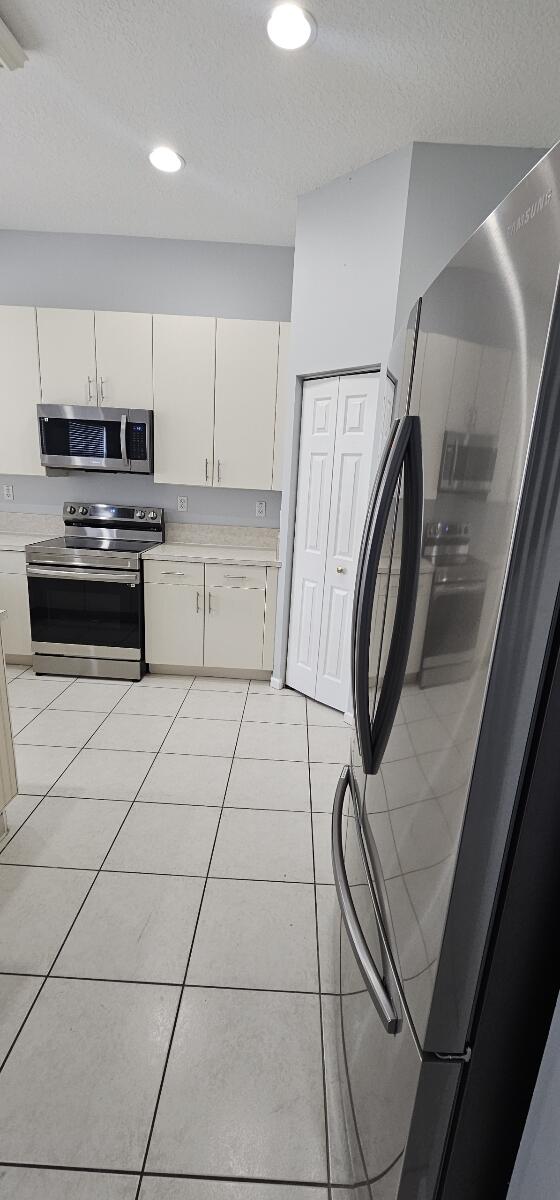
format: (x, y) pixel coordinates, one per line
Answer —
(266, 534)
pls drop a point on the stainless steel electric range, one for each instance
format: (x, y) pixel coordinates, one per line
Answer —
(86, 594)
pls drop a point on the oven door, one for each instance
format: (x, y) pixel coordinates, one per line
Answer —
(451, 630)
(77, 611)
(83, 437)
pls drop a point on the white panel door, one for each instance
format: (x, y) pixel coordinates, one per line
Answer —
(20, 392)
(184, 357)
(316, 455)
(67, 355)
(355, 426)
(123, 347)
(245, 403)
(282, 405)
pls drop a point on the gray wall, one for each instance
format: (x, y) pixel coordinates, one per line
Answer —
(346, 267)
(452, 190)
(130, 274)
(537, 1170)
(214, 506)
(145, 275)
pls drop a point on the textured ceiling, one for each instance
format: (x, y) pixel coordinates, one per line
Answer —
(108, 79)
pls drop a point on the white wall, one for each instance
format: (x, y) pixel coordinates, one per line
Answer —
(145, 275)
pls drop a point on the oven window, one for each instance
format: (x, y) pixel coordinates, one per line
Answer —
(86, 613)
(81, 439)
(475, 464)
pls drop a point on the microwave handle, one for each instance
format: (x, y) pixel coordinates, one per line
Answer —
(124, 455)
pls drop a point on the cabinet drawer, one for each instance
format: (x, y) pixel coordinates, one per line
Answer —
(173, 572)
(12, 562)
(243, 577)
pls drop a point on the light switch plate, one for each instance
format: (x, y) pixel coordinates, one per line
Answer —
(8, 491)
(260, 508)
(182, 503)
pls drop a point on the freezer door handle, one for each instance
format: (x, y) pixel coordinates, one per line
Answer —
(405, 456)
(368, 969)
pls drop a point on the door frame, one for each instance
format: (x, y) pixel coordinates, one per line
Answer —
(289, 504)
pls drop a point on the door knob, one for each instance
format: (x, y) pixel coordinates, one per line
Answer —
(341, 570)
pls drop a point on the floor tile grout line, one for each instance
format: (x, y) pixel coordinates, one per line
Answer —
(182, 990)
(129, 1172)
(68, 932)
(321, 1025)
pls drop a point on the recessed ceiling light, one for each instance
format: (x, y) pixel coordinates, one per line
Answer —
(165, 159)
(290, 27)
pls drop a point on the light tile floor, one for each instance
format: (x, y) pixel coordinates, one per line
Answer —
(168, 922)
(160, 1020)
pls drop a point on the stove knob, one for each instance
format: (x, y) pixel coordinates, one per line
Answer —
(83, 511)
(153, 515)
(140, 513)
(71, 508)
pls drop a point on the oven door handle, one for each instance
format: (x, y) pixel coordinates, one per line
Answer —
(405, 456)
(458, 589)
(124, 455)
(360, 948)
(83, 575)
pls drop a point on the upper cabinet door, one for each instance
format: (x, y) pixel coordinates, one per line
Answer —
(282, 405)
(245, 402)
(20, 392)
(67, 356)
(123, 343)
(184, 359)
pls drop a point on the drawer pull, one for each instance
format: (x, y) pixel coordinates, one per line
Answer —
(182, 573)
(226, 576)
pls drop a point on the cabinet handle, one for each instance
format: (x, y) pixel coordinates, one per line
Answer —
(341, 570)
(219, 470)
(209, 603)
(174, 573)
(234, 576)
(198, 602)
(101, 382)
(206, 470)
(89, 383)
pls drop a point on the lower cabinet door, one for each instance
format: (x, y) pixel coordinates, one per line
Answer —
(234, 631)
(16, 630)
(174, 621)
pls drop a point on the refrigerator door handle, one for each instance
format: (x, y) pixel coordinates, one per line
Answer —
(406, 455)
(372, 979)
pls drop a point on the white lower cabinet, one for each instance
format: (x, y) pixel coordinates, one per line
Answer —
(174, 614)
(234, 630)
(209, 616)
(16, 629)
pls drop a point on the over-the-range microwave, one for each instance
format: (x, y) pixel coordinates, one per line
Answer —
(86, 438)
(467, 462)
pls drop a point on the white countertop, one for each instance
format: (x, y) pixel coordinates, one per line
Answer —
(18, 541)
(234, 556)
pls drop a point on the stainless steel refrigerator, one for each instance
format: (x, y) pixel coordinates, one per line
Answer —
(446, 822)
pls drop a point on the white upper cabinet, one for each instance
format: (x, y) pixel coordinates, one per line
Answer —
(123, 344)
(20, 392)
(184, 359)
(282, 405)
(245, 403)
(67, 356)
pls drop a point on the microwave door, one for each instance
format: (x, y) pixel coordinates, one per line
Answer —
(74, 437)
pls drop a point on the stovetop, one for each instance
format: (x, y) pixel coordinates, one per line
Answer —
(101, 535)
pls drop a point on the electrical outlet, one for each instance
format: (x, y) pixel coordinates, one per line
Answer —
(8, 491)
(260, 508)
(182, 503)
